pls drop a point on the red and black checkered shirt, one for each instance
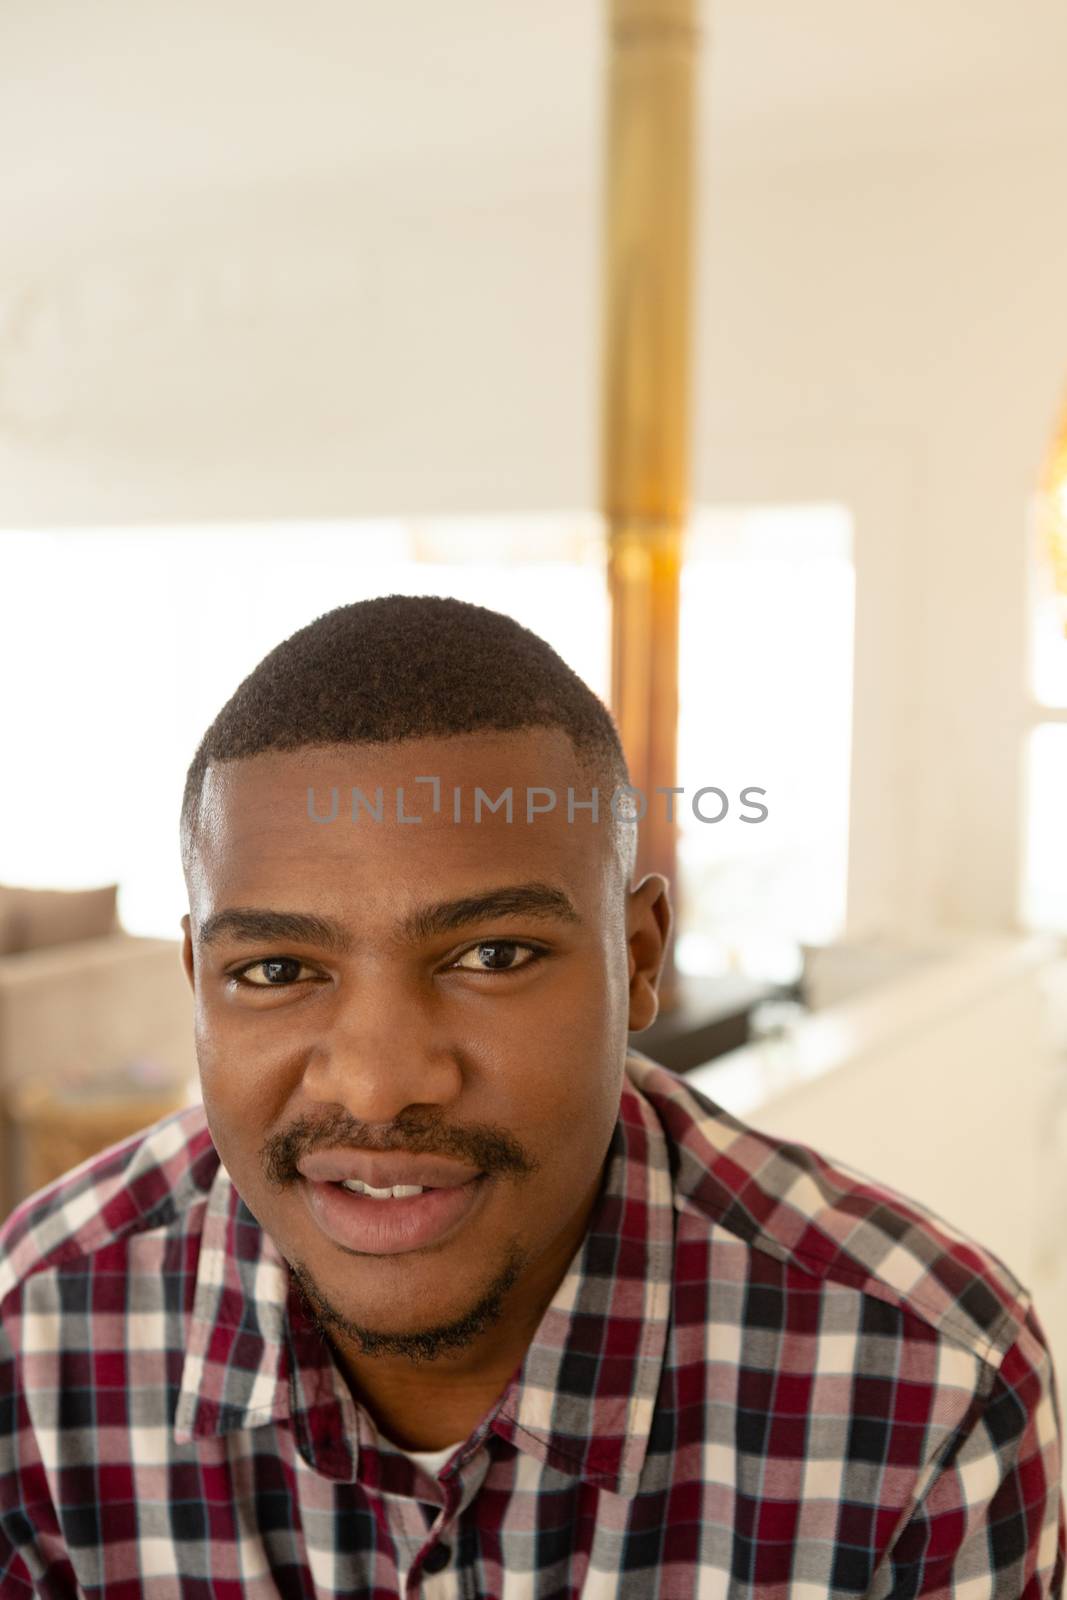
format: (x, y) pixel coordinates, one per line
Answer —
(763, 1375)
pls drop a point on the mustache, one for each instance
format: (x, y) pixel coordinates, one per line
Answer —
(491, 1149)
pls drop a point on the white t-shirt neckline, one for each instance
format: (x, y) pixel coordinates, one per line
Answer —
(430, 1460)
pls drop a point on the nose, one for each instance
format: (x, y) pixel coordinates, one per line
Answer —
(382, 1051)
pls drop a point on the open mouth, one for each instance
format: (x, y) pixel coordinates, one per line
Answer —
(386, 1223)
(399, 1191)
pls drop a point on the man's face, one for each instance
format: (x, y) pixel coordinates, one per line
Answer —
(495, 1040)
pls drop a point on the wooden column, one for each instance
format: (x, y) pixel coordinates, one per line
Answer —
(645, 392)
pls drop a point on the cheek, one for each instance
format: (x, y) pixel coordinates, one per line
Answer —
(564, 1109)
(577, 1036)
(246, 1059)
(227, 1110)
(567, 1052)
(238, 1095)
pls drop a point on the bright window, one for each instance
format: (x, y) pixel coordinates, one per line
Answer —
(765, 691)
(119, 646)
(1045, 859)
(1043, 887)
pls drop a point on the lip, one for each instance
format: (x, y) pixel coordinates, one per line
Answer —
(390, 1227)
(382, 1169)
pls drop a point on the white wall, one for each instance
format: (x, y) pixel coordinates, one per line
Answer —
(342, 348)
(907, 315)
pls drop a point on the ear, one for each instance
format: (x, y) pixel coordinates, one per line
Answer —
(648, 928)
(187, 951)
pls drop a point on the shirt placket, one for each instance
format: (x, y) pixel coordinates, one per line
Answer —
(432, 1540)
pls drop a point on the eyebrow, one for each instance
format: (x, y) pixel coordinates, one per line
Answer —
(255, 925)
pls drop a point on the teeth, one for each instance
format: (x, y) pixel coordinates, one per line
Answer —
(399, 1191)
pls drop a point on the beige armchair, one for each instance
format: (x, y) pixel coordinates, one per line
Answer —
(110, 1009)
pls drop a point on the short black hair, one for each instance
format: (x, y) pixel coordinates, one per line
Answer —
(406, 667)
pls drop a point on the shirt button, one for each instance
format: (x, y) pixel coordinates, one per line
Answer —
(437, 1558)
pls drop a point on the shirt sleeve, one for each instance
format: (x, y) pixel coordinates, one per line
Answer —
(33, 1565)
(14, 1579)
(991, 1524)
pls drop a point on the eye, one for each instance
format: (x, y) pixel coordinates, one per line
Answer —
(500, 952)
(277, 972)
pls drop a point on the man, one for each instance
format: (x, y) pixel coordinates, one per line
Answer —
(445, 1291)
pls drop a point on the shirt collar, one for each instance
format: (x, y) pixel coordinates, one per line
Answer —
(583, 1398)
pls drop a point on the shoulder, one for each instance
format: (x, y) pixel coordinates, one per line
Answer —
(823, 1219)
(154, 1180)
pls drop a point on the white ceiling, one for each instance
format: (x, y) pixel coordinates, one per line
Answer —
(127, 98)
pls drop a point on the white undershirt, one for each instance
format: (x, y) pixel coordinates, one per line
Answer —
(430, 1460)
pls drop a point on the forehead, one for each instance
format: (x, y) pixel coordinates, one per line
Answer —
(258, 841)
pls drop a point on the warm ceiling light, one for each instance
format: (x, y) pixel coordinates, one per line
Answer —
(1053, 503)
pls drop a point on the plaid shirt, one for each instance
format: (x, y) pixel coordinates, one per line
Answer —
(762, 1375)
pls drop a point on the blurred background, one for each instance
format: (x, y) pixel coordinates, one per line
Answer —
(723, 344)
